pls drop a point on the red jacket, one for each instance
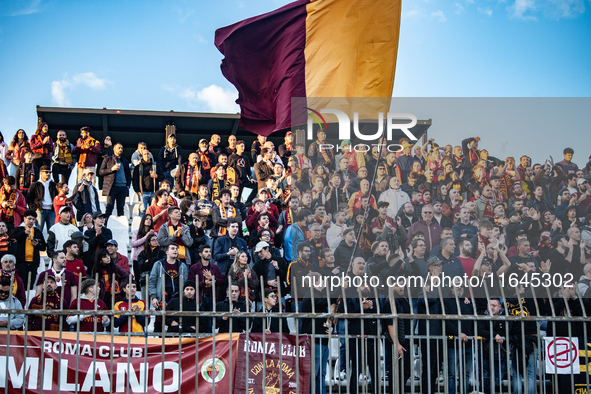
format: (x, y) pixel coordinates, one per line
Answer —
(19, 210)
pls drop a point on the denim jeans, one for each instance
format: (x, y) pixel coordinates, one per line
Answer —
(319, 374)
(517, 384)
(146, 202)
(458, 359)
(45, 217)
(342, 349)
(117, 194)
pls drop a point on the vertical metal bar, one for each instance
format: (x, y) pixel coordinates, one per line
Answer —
(78, 332)
(44, 317)
(94, 350)
(297, 333)
(26, 328)
(181, 299)
(112, 326)
(280, 331)
(395, 379)
(163, 321)
(347, 350)
(247, 301)
(197, 294)
(313, 342)
(148, 302)
(264, 325)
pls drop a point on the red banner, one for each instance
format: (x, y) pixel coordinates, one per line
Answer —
(273, 364)
(114, 364)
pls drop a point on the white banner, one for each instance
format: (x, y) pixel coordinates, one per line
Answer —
(562, 355)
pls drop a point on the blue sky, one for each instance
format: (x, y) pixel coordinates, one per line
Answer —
(160, 55)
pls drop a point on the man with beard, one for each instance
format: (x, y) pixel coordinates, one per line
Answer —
(62, 278)
(177, 233)
(318, 153)
(466, 256)
(116, 181)
(40, 199)
(88, 150)
(334, 235)
(379, 261)
(62, 158)
(361, 353)
(208, 276)
(146, 178)
(299, 229)
(241, 165)
(438, 216)
(18, 287)
(264, 168)
(227, 246)
(8, 301)
(222, 213)
(29, 240)
(297, 270)
(48, 299)
(206, 161)
(73, 263)
(185, 302)
(485, 204)
(407, 215)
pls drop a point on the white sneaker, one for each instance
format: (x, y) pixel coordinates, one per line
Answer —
(342, 376)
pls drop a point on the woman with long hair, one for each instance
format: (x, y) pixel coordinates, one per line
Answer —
(139, 236)
(86, 222)
(16, 150)
(142, 266)
(106, 151)
(42, 146)
(442, 193)
(109, 277)
(241, 273)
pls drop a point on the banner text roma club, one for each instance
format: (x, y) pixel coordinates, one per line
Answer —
(79, 364)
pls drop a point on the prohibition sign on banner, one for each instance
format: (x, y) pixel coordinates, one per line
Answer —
(562, 355)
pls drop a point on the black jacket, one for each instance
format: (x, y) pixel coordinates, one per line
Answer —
(19, 235)
(109, 176)
(94, 244)
(189, 304)
(23, 175)
(36, 194)
(238, 323)
(142, 181)
(170, 158)
(82, 201)
(317, 325)
(261, 268)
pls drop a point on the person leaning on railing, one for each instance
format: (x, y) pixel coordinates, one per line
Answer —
(89, 289)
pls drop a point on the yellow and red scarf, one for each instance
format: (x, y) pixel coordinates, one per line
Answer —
(192, 179)
(225, 216)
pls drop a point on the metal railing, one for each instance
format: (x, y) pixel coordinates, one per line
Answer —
(436, 356)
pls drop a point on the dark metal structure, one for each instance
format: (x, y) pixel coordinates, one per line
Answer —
(130, 126)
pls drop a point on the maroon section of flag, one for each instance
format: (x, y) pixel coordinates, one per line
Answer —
(264, 59)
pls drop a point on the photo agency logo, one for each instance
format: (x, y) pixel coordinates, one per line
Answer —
(396, 126)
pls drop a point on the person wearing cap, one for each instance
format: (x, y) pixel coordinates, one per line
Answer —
(74, 263)
(263, 196)
(62, 277)
(61, 200)
(49, 299)
(60, 232)
(12, 203)
(270, 265)
(29, 242)
(175, 232)
(170, 157)
(40, 199)
(583, 194)
(516, 223)
(206, 161)
(116, 180)
(96, 237)
(112, 247)
(146, 179)
(187, 303)
(8, 270)
(188, 178)
(62, 159)
(88, 150)
(512, 251)
(224, 211)
(86, 196)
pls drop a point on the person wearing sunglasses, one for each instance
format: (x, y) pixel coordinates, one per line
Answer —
(7, 301)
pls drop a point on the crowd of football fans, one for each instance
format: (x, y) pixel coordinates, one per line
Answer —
(231, 230)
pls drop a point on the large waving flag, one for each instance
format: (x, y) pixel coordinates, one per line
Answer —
(309, 48)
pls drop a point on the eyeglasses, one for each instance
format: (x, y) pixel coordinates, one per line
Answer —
(271, 296)
(487, 264)
(428, 213)
(306, 251)
(265, 235)
(3, 292)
